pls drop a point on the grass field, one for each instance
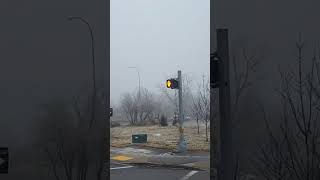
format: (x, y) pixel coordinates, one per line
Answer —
(161, 137)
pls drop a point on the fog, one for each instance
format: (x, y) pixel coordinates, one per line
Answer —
(159, 38)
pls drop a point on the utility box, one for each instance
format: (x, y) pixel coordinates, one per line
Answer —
(139, 138)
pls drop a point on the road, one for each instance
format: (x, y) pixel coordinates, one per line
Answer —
(124, 172)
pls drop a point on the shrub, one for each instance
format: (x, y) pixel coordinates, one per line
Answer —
(163, 121)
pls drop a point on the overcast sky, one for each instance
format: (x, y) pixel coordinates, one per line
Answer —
(158, 37)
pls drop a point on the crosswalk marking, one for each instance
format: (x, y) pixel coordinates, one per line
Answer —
(189, 175)
(123, 167)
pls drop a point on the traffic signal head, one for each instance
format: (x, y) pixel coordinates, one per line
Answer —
(111, 111)
(173, 84)
(214, 70)
(169, 83)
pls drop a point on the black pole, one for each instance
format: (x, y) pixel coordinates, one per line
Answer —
(213, 134)
(226, 164)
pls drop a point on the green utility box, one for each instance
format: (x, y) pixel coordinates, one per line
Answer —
(139, 138)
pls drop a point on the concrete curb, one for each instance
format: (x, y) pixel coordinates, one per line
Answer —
(190, 162)
(203, 165)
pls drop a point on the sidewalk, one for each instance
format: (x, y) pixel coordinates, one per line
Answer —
(160, 157)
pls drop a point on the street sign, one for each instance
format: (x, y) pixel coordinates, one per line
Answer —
(4, 160)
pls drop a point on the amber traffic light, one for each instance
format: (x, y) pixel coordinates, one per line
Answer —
(172, 83)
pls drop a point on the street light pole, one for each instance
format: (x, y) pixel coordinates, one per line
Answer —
(93, 66)
(139, 95)
(138, 77)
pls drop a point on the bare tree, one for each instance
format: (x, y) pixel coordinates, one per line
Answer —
(128, 106)
(144, 111)
(187, 94)
(147, 106)
(244, 63)
(294, 152)
(56, 134)
(196, 110)
(69, 142)
(204, 95)
(201, 104)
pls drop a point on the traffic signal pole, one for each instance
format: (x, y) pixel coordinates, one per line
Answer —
(182, 144)
(223, 132)
(177, 84)
(227, 162)
(180, 98)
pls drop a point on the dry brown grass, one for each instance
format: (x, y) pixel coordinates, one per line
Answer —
(121, 137)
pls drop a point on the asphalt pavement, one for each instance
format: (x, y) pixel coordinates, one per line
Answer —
(120, 171)
(143, 155)
(137, 162)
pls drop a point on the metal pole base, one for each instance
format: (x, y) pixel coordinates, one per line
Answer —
(182, 145)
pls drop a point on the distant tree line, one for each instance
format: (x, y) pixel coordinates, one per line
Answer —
(152, 108)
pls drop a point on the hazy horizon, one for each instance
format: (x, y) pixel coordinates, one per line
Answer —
(159, 38)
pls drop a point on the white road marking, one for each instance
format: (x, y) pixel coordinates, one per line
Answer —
(189, 175)
(118, 163)
(123, 167)
(130, 150)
